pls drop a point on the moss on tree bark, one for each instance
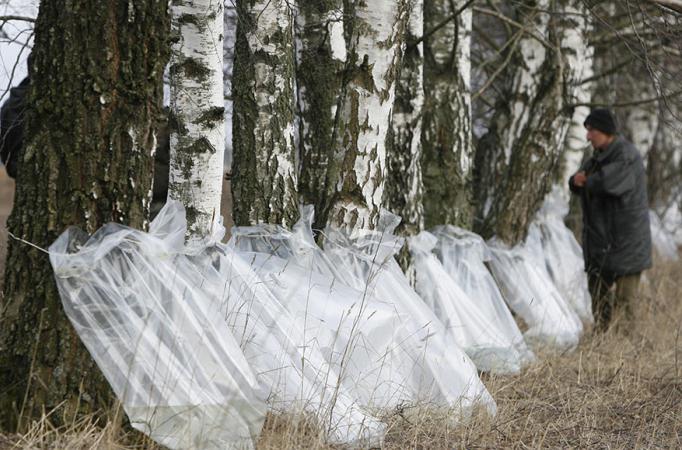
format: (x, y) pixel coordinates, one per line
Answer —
(96, 92)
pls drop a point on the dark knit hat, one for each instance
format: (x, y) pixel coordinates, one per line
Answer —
(601, 119)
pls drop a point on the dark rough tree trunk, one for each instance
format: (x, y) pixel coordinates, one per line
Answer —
(517, 158)
(447, 157)
(321, 57)
(404, 187)
(96, 93)
(264, 167)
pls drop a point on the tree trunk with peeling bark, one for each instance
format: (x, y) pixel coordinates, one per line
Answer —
(321, 57)
(576, 26)
(197, 112)
(96, 92)
(404, 187)
(448, 151)
(375, 38)
(265, 165)
(518, 156)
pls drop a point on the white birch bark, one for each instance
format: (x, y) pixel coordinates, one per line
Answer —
(516, 159)
(265, 166)
(197, 125)
(447, 137)
(404, 190)
(579, 55)
(376, 48)
(641, 121)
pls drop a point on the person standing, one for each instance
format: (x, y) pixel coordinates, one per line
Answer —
(616, 231)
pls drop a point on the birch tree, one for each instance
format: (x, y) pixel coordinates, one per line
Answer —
(96, 92)
(447, 158)
(375, 41)
(197, 112)
(404, 186)
(321, 58)
(265, 165)
(576, 25)
(516, 158)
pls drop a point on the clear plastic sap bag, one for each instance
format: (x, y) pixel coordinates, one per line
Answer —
(361, 337)
(366, 262)
(531, 293)
(662, 239)
(562, 256)
(476, 330)
(464, 255)
(162, 344)
(287, 360)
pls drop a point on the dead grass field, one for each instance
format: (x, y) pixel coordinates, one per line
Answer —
(621, 389)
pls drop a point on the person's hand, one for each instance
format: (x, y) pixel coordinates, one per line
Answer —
(579, 179)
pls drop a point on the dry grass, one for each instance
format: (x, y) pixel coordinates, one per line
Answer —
(621, 389)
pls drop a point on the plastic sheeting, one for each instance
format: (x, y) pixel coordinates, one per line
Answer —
(387, 360)
(283, 352)
(361, 337)
(463, 255)
(160, 342)
(530, 292)
(366, 262)
(563, 256)
(663, 240)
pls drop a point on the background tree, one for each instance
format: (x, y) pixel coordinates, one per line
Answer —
(519, 152)
(447, 158)
(404, 186)
(265, 164)
(320, 69)
(96, 93)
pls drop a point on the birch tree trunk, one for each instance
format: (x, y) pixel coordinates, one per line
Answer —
(447, 158)
(576, 26)
(197, 112)
(321, 59)
(96, 93)
(640, 122)
(404, 186)
(376, 39)
(517, 158)
(664, 166)
(264, 169)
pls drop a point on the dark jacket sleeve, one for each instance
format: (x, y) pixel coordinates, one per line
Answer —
(616, 178)
(12, 127)
(571, 185)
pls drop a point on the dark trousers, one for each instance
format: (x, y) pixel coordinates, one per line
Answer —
(605, 302)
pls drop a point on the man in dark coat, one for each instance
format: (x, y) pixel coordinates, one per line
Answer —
(12, 126)
(616, 232)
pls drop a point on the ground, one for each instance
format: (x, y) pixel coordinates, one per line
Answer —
(620, 389)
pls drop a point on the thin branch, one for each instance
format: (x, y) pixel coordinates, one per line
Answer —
(515, 40)
(20, 18)
(449, 19)
(608, 71)
(625, 104)
(516, 24)
(673, 5)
